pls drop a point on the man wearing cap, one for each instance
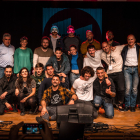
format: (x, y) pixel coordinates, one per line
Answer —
(43, 53)
(55, 39)
(6, 53)
(90, 40)
(71, 39)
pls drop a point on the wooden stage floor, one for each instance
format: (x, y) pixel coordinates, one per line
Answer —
(122, 122)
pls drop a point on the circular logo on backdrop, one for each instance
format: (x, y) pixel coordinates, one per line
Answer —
(79, 19)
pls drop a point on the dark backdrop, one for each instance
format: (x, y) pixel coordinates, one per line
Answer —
(25, 19)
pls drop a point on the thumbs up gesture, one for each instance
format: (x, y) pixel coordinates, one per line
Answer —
(108, 91)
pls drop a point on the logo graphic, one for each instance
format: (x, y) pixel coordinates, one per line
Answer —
(81, 19)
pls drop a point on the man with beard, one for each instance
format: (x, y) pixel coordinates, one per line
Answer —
(43, 53)
(90, 40)
(109, 38)
(54, 96)
(7, 90)
(93, 58)
(46, 83)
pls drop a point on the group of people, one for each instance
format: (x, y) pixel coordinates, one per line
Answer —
(66, 71)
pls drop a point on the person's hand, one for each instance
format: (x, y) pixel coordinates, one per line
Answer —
(8, 105)
(108, 82)
(40, 108)
(62, 74)
(108, 91)
(71, 102)
(85, 56)
(23, 100)
(43, 111)
(68, 52)
(3, 95)
(13, 135)
(17, 75)
(46, 133)
(113, 48)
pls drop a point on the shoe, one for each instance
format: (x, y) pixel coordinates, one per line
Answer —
(22, 113)
(132, 109)
(14, 108)
(126, 108)
(121, 109)
(40, 119)
(31, 112)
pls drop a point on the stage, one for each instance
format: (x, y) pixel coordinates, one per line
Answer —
(122, 126)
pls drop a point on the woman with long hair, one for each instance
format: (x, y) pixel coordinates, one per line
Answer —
(25, 91)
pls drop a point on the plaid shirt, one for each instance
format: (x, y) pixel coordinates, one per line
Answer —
(63, 92)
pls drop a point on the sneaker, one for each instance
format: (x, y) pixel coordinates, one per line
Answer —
(126, 108)
(22, 113)
(121, 109)
(132, 109)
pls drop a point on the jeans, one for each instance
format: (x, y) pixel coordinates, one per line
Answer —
(131, 85)
(118, 79)
(1, 72)
(108, 107)
(51, 112)
(73, 77)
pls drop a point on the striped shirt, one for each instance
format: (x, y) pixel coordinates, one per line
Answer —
(6, 55)
(63, 92)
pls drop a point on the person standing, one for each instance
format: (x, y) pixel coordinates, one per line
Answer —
(6, 53)
(43, 53)
(23, 56)
(130, 55)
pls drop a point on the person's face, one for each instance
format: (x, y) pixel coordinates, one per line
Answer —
(87, 76)
(23, 43)
(55, 81)
(105, 47)
(45, 43)
(89, 36)
(91, 52)
(7, 41)
(39, 71)
(100, 74)
(24, 73)
(109, 36)
(131, 40)
(58, 54)
(8, 72)
(50, 70)
(71, 31)
(73, 51)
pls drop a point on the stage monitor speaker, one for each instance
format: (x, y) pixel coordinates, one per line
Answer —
(77, 113)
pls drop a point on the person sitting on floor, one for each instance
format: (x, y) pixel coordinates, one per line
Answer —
(60, 62)
(25, 91)
(103, 93)
(53, 97)
(7, 90)
(46, 83)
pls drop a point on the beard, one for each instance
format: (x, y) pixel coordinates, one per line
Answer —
(45, 48)
(90, 39)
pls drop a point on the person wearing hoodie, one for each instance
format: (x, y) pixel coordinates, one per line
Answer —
(76, 63)
(60, 62)
(55, 39)
(93, 58)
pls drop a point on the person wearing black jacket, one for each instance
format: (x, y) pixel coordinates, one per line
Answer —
(7, 90)
(103, 93)
(76, 62)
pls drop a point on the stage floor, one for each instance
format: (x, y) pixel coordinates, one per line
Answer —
(122, 122)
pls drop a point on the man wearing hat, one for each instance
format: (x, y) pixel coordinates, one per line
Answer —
(90, 40)
(55, 39)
